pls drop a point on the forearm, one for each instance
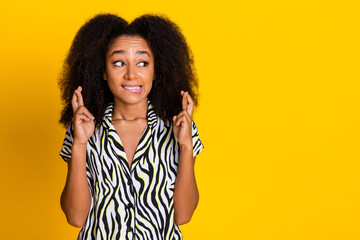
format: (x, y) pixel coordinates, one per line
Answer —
(76, 199)
(186, 194)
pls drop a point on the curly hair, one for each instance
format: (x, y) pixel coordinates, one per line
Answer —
(84, 66)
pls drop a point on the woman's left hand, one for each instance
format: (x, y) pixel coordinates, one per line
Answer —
(183, 121)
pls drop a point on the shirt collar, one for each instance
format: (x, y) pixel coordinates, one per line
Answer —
(151, 116)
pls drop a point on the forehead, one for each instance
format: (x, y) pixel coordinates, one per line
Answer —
(127, 43)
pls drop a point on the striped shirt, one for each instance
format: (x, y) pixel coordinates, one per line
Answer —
(134, 202)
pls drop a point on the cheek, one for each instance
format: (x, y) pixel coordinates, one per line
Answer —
(150, 80)
(147, 76)
(151, 74)
(111, 87)
(111, 81)
(113, 75)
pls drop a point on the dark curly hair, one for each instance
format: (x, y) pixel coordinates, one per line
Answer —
(85, 64)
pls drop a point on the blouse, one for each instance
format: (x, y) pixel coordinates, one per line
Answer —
(134, 202)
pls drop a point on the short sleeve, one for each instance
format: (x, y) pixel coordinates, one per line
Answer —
(197, 144)
(65, 151)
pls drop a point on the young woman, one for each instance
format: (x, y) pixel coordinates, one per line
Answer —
(129, 91)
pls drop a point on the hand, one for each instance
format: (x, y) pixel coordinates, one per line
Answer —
(183, 121)
(83, 120)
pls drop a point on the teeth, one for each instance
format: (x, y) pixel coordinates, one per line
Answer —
(133, 88)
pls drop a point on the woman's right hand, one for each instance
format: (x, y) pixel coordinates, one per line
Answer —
(83, 120)
(76, 198)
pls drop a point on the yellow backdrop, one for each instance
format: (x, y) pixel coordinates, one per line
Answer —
(279, 115)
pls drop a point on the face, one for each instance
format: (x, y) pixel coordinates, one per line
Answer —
(129, 69)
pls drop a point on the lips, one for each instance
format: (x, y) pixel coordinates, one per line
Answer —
(133, 88)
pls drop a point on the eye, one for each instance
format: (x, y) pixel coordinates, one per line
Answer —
(143, 64)
(119, 63)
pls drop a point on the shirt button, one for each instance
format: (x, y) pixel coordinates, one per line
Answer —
(129, 182)
(129, 229)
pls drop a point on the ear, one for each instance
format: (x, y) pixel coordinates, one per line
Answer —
(104, 76)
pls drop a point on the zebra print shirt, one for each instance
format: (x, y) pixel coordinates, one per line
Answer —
(136, 202)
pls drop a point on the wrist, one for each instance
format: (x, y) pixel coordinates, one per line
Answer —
(186, 147)
(79, 144)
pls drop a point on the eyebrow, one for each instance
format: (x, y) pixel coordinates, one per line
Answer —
(123, 52)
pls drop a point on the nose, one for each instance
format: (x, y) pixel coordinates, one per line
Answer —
(130, 73)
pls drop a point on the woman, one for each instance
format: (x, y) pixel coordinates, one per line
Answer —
(128, 92)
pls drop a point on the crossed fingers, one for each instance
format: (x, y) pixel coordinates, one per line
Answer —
(77, 103)
(187, 103)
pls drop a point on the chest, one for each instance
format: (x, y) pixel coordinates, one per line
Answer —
(130, 133)
(155, 154)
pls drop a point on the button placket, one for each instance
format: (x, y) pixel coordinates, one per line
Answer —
(131, 208)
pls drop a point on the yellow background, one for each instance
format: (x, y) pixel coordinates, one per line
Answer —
(279, 115)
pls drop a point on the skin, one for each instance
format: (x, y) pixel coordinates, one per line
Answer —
(129, 65)
(129, 73)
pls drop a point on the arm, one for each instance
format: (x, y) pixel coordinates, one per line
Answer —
(75, 198)
(186, 194)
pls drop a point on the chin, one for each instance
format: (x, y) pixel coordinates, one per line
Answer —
(132, 100)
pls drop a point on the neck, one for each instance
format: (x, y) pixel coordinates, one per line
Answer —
(124, 111)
